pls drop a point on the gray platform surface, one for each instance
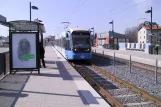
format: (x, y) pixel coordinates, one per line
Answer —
(58, 85)
(135, 55)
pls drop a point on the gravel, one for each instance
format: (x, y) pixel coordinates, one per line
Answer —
(147, 105)
(130, 99)
(123, 91)
(141, 79)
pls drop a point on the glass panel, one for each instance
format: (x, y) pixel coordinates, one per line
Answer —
(81, 41)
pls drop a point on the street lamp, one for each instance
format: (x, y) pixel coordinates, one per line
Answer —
(93, 31)
(112, 31)
(93, 36)
(32, 7)
(150, 11)
(139, 19)
(66, 25)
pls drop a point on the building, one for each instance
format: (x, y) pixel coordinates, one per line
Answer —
(4, 30)
(108, 38)
(49, 40)
(144, 34)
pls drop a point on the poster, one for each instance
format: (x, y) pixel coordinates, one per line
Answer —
(24, 50)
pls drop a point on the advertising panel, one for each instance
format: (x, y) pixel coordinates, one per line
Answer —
(24, 50)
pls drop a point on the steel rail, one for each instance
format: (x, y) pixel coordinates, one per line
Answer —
(128, 85)
(100, 89)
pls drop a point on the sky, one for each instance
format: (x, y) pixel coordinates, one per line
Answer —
(82, 13)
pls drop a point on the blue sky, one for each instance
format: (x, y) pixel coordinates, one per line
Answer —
(82, 13)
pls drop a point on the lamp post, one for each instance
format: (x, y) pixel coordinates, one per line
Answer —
(66, 25)
(32, 7)
(93, 36)
(150, 11)
(139, 19)
(93, 31)
(112, 31)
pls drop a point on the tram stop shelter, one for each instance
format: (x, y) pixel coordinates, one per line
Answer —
(24, 44)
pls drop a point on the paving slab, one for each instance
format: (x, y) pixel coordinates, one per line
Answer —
(58, 85)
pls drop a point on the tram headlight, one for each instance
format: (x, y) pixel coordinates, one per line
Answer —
(87, 49)
(75, 49)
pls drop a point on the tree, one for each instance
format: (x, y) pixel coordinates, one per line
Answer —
(132, 32)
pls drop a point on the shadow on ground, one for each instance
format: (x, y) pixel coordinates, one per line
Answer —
(49, 62)
(12, 82)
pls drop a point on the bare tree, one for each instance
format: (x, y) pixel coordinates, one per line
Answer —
(132, 32)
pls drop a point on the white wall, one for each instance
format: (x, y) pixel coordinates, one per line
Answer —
(4, 31)
(101, 42)
(143, 32)
(142, 35)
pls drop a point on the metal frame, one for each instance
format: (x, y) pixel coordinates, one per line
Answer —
(37, 52)
(37, 68)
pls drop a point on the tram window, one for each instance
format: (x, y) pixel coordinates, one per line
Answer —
(66, 35)
(67, 45)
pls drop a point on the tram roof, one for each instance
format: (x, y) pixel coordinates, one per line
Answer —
(77, 29)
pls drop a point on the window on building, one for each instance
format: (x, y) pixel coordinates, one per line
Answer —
(144, 32)
(140, 37)
(144, 37)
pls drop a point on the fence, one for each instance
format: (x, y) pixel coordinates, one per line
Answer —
(111, 46)
(147, 48)
(133, 61)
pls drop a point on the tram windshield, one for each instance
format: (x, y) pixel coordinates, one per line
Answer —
(81, 40)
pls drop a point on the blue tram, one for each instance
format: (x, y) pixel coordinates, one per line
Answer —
(74, 44)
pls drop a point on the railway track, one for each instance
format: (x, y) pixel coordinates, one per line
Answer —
(136, 65)
(115, 91)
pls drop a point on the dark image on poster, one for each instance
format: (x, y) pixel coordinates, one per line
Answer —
(24, 48)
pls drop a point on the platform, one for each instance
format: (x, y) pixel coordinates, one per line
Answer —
(136, 56)
(58, 85)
